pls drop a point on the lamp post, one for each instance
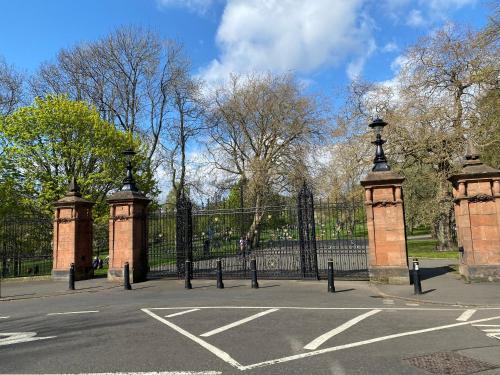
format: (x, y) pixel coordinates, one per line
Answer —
(129, 182)
(380, 161)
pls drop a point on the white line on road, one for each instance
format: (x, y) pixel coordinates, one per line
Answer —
(212, 349)
(237, 323)
(321, 308)
(486, 325)
(4, 317)
(314, 344)
(360, 343)
(466, 315)
(181, 313)
(145, 373)
(18, 337)
(73, 312)
(496, 330)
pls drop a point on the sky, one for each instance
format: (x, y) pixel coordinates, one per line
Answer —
(326, 43)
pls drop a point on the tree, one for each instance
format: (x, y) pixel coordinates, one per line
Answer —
(445, 95)
(132, 77)
(11, 88)
(49, 142)
(261, 130)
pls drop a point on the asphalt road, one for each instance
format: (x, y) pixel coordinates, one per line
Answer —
(285, 327)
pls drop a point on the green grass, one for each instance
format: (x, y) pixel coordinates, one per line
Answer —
(427, 249)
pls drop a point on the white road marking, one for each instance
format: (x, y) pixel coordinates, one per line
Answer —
(181, 313)
(319, 308)
(486, 325)
(145, 373)
(360, 343)
(18, 337)
(388, 301)
(4, 317)
(237, 323)
(73, 312)
(412, 304)
(466, 315)
(314, 344)
(214, 350)
(496, 330)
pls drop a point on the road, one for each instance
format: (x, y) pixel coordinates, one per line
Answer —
(284, 327)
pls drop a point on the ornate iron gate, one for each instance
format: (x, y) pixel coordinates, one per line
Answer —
(292, 241)
(307, 233)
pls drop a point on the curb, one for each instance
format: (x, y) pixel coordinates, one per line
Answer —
(458, 304)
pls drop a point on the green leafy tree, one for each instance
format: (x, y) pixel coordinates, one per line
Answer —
(55, 138)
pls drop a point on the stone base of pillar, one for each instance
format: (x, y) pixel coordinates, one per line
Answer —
(136, 276)
(63, 275)
(484, 272)
(389, 275)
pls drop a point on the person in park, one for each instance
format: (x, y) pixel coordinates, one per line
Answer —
(95, 263)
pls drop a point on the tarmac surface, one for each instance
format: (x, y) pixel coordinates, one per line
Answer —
(284, 327)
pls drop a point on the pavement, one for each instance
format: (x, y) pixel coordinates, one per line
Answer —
(284, 327)
(441, 284)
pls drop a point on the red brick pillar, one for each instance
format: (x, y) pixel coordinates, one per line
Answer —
(387, 256)
(476, 192)
(73, 235)
(128, 239)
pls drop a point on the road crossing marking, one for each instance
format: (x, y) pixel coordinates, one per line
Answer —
(231, 361)
(73, 312)
(181, 313)
(145, 373)
(18, 337)
(237, 323)
(214, 350)
(314, 344)
(466, 315)
(490, 332)
(360, 343)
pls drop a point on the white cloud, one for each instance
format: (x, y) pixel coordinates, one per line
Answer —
(297, 35)
(390, 47)
(398, 62)
(429, 11)
(196, 6)
(415, 18)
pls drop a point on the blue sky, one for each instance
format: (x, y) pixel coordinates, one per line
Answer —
(325, 42)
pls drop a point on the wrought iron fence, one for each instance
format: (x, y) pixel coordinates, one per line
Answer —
(288, 241)
(25, 245)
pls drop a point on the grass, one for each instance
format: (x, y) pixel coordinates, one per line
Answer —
(427, 249)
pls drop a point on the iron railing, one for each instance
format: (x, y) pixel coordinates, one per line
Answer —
(25, 245)
(283, 243)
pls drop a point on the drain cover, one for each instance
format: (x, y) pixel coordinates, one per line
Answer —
(449, 363)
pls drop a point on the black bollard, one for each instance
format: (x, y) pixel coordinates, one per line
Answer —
(72, 277)
(417, 287)
(187, 275)
(126, 277)
(331, 285)
(253, 270)
(220, 284)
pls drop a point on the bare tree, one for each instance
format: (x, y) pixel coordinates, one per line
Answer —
(262, 127)
(128, 75)
(11, 88)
